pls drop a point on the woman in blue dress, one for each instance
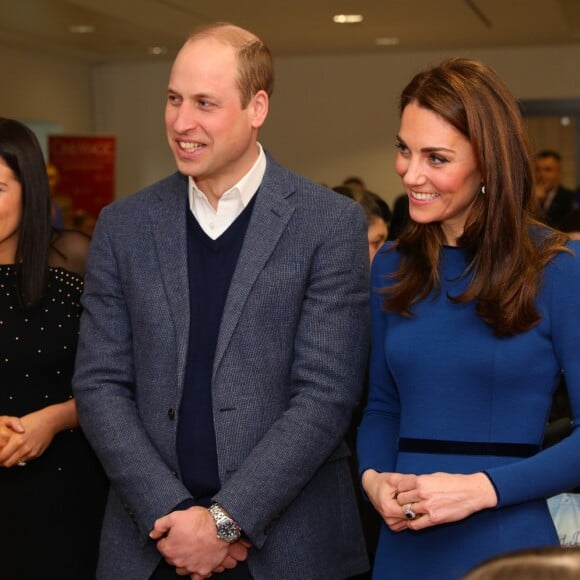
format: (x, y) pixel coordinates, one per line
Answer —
(475, 314)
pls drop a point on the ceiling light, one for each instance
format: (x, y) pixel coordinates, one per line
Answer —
(81, 28)
(387, 41)
(347, 18)
(157, 50)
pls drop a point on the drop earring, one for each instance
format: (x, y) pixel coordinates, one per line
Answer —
(483, 190)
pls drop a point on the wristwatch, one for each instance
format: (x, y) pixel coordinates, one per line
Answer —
(227, 529)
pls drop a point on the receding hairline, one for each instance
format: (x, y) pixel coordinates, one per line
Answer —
(225, 32)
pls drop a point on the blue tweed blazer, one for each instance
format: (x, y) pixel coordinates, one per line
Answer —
(287, 374)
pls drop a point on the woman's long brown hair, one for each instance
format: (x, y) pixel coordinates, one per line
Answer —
(507, 248)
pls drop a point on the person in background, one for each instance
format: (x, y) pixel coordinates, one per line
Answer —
(83, 221)
(560, 418)
(223, 345)
(357, 184)
(385, 214)
(400, 217)
(551, 563)
(52, 488)
(474, 313)
(555, 201)
(56, 210)
(61, 205)
(377, 213)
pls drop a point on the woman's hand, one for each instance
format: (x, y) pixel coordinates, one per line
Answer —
(8, 426)
(440, 498)
(36, 434)
(383, 489)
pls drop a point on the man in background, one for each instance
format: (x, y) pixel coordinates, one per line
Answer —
(555, 201)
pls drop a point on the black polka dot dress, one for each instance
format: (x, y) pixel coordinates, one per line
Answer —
(51, 509)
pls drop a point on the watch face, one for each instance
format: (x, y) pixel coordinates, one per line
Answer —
(228, 531)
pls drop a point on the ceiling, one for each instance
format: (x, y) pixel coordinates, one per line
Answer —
(127, 29)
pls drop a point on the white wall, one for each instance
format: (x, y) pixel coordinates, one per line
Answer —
(130, 103)
(50, 89)
(330, 117)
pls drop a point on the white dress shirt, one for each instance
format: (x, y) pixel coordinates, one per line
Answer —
(231, 204)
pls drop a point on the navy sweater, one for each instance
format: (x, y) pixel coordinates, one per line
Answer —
(211, 266)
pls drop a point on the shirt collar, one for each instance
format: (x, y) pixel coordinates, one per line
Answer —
(245, 188)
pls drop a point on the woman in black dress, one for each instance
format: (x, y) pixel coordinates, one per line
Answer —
(52, 488)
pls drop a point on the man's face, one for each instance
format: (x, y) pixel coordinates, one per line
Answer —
(212, 138)
(548, 172)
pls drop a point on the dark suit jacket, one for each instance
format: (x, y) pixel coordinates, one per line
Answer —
(561, 206)
(288, 371)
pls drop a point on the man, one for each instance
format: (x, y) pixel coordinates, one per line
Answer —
(555, 201)
(223, 345)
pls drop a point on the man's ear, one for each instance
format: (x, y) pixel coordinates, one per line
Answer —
(259, 106)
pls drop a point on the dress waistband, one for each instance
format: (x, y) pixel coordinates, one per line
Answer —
(447, 447)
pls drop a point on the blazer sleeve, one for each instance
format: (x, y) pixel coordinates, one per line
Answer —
(104, 387)
(329, 356)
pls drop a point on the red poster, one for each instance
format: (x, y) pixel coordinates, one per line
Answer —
(86, 174)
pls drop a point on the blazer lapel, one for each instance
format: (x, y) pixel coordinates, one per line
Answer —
(272, 211)
(168, 224)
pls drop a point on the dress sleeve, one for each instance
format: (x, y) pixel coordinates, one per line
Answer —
(556, 468)
(379, 430)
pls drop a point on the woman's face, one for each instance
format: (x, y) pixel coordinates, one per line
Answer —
(439, 171)
(10, 213)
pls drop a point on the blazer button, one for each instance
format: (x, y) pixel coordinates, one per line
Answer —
(171, 414)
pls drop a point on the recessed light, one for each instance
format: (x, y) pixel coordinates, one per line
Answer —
(81, 28)
(386, 41)
(157, 50)
(347, 18)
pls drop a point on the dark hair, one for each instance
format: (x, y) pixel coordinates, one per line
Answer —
(373, 204)
(21, 151)
(384, 208)
(505, 262)
(344, 190)
(546, 153)
(355, 181)
(255, 63)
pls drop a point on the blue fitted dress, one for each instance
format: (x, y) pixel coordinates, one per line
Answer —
(443, 376)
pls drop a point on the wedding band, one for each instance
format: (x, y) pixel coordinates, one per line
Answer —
(409, 513)
(21, 463)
